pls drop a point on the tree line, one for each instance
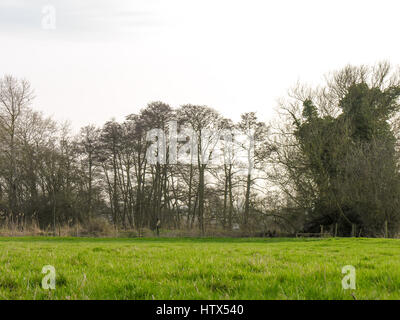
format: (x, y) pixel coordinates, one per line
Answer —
(330, 162)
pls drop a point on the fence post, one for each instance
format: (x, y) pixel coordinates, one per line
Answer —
(335, 230)
(386, 229)
(353, 230)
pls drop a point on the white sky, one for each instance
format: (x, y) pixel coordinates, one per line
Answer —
(110, 58)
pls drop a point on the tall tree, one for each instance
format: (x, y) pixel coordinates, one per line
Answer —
(15, 96)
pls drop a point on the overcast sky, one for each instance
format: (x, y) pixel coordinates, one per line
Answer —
(110, 58)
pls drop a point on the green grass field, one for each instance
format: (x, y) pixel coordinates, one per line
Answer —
(199, 268)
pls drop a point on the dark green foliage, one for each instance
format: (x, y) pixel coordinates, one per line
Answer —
(351, 160)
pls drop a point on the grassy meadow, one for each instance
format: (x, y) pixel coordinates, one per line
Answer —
(199, 268)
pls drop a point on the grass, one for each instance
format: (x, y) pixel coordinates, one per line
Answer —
(199, 268)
